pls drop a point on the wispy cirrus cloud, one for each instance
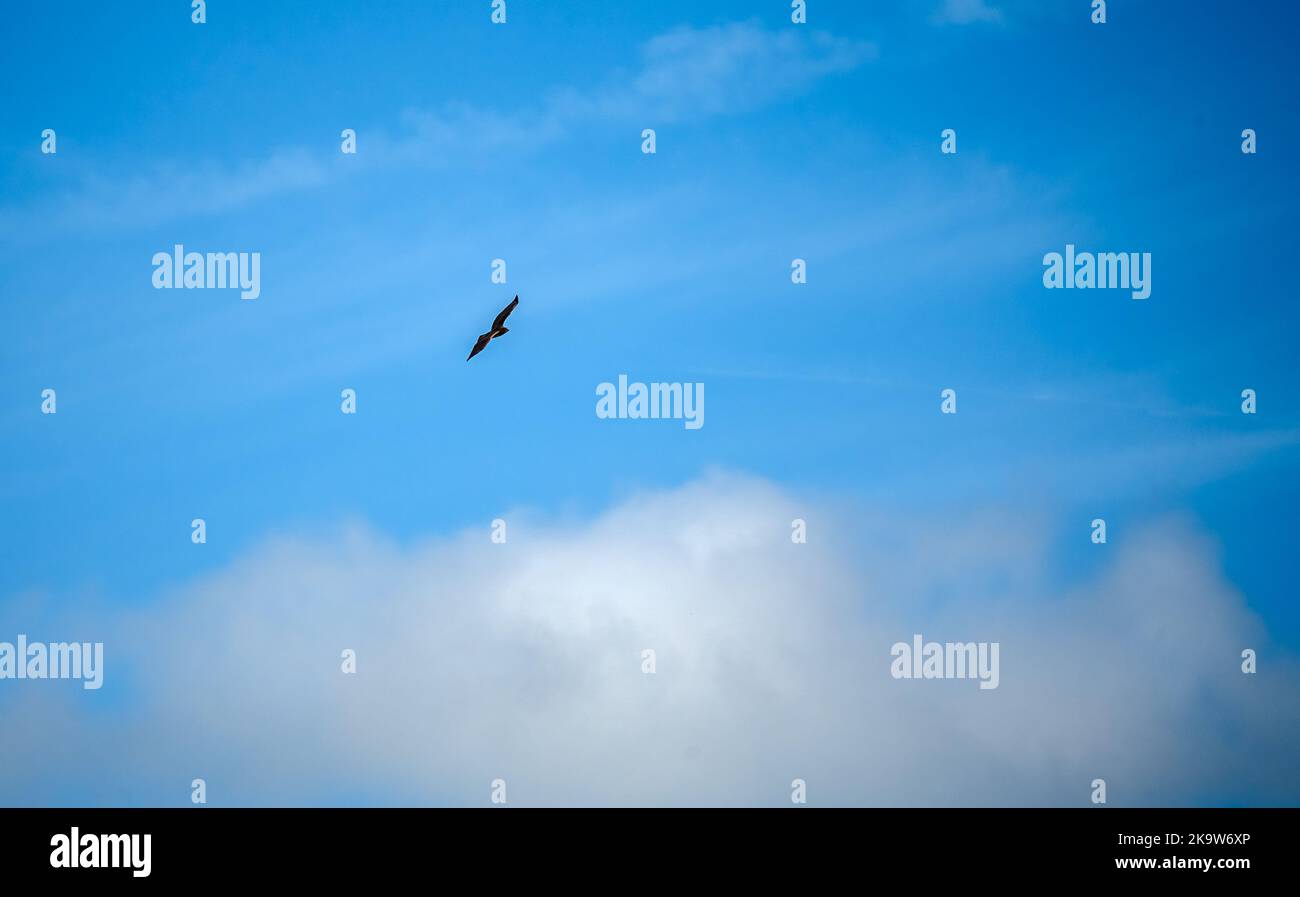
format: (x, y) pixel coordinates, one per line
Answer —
(686, 74)
(691, 73)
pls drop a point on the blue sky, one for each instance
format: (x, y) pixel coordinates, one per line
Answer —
(522, 141)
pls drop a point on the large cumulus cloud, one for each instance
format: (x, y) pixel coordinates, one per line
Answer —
(523, 661)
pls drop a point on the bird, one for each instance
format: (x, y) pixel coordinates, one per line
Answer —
(498, 328)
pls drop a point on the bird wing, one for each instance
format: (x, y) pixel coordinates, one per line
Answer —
(505, 313)
(478, 346)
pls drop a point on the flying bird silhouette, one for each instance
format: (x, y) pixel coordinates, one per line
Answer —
(498, 328)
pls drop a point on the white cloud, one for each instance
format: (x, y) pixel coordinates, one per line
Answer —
(522, 661)
(691, 72)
